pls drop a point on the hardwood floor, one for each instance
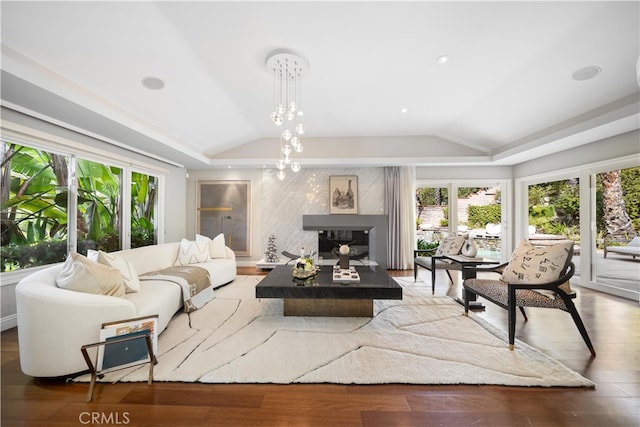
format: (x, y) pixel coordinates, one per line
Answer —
(613, 324)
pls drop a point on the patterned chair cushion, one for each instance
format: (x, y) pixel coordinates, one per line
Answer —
(530, 264)
(497, 291)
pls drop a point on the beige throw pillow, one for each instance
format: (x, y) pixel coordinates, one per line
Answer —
(128, 272)
(83, 275)
(450, 245)
(193, 251)
(530, 264)
(217, 247)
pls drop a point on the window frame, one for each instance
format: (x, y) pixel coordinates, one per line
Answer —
(452, 185)
(588, 233)
(22, 135)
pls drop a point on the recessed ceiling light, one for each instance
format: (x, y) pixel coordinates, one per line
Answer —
(153, 83)
(404, 110)
(443, 59)
(586, 73)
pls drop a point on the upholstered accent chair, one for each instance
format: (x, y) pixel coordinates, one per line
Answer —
(534, 277)
(450, 245)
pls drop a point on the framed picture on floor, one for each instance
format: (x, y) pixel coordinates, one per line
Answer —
(126, 353)
(343, 194)
(225, 207)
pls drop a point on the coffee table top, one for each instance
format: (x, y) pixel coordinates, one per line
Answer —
(374, 283)
(465, 261)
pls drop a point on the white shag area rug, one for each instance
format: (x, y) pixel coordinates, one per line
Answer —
(422, 339)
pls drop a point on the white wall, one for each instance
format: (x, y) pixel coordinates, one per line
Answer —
(277, 206)
(464, 173)
(615, 147)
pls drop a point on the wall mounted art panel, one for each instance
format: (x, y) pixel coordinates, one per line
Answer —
(225, 207)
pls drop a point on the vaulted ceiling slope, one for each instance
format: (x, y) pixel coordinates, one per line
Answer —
(506, 95)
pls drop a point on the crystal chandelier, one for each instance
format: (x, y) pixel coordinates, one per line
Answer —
(287, 69)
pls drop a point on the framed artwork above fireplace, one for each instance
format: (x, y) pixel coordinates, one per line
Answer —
(343, 194)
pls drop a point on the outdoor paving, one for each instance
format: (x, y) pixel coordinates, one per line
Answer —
(615, 270)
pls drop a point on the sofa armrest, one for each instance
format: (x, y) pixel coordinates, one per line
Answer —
(230, 254)
(54, 323)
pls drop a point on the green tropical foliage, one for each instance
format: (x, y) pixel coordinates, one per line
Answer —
(34, 203)
(480, 216)
(554, 207)
(630, 181)
(428, 196)
(143, 196)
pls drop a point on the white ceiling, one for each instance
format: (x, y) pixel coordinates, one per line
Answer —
(506, 96)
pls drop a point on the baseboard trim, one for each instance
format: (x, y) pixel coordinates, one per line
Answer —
(9, 322)
(246, 263)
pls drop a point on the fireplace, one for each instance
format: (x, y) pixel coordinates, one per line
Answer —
(372, 228)
(329, 241)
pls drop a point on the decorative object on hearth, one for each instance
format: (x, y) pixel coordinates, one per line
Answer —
(469, 248)
(271, 254)
(287, 69)
(344, 256)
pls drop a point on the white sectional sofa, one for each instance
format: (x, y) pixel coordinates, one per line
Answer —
(54, 323)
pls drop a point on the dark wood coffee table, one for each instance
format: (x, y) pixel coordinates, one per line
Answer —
(321, 296)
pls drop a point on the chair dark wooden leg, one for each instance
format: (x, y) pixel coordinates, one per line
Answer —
(415, 271)
(526, 319)
(466, 301)
(578, 321)
(512, 316)
(433, 281)
(449, 274)
(433, 276)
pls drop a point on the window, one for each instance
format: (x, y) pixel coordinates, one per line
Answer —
(99, 198)
(432, 215)
(593, 205)
(34, 207)
(477, 212)
(617, 210)
(554, 215)
(40, 187)
(480, 216)
(143, 207)
(554, 210)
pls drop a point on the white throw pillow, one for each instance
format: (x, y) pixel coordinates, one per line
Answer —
(129, 275)
(450, 245)
(83, 275)
(217, 247)
(531, 264)
(193, 252)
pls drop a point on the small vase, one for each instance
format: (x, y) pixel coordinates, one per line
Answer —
(469, 249)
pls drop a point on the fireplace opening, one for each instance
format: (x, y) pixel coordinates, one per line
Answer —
(329, 241)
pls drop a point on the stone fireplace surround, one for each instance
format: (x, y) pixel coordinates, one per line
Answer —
(377, 225)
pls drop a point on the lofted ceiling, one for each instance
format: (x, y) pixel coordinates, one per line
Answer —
(506, 95)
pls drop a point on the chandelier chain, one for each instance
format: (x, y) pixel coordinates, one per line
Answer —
(288, 71)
